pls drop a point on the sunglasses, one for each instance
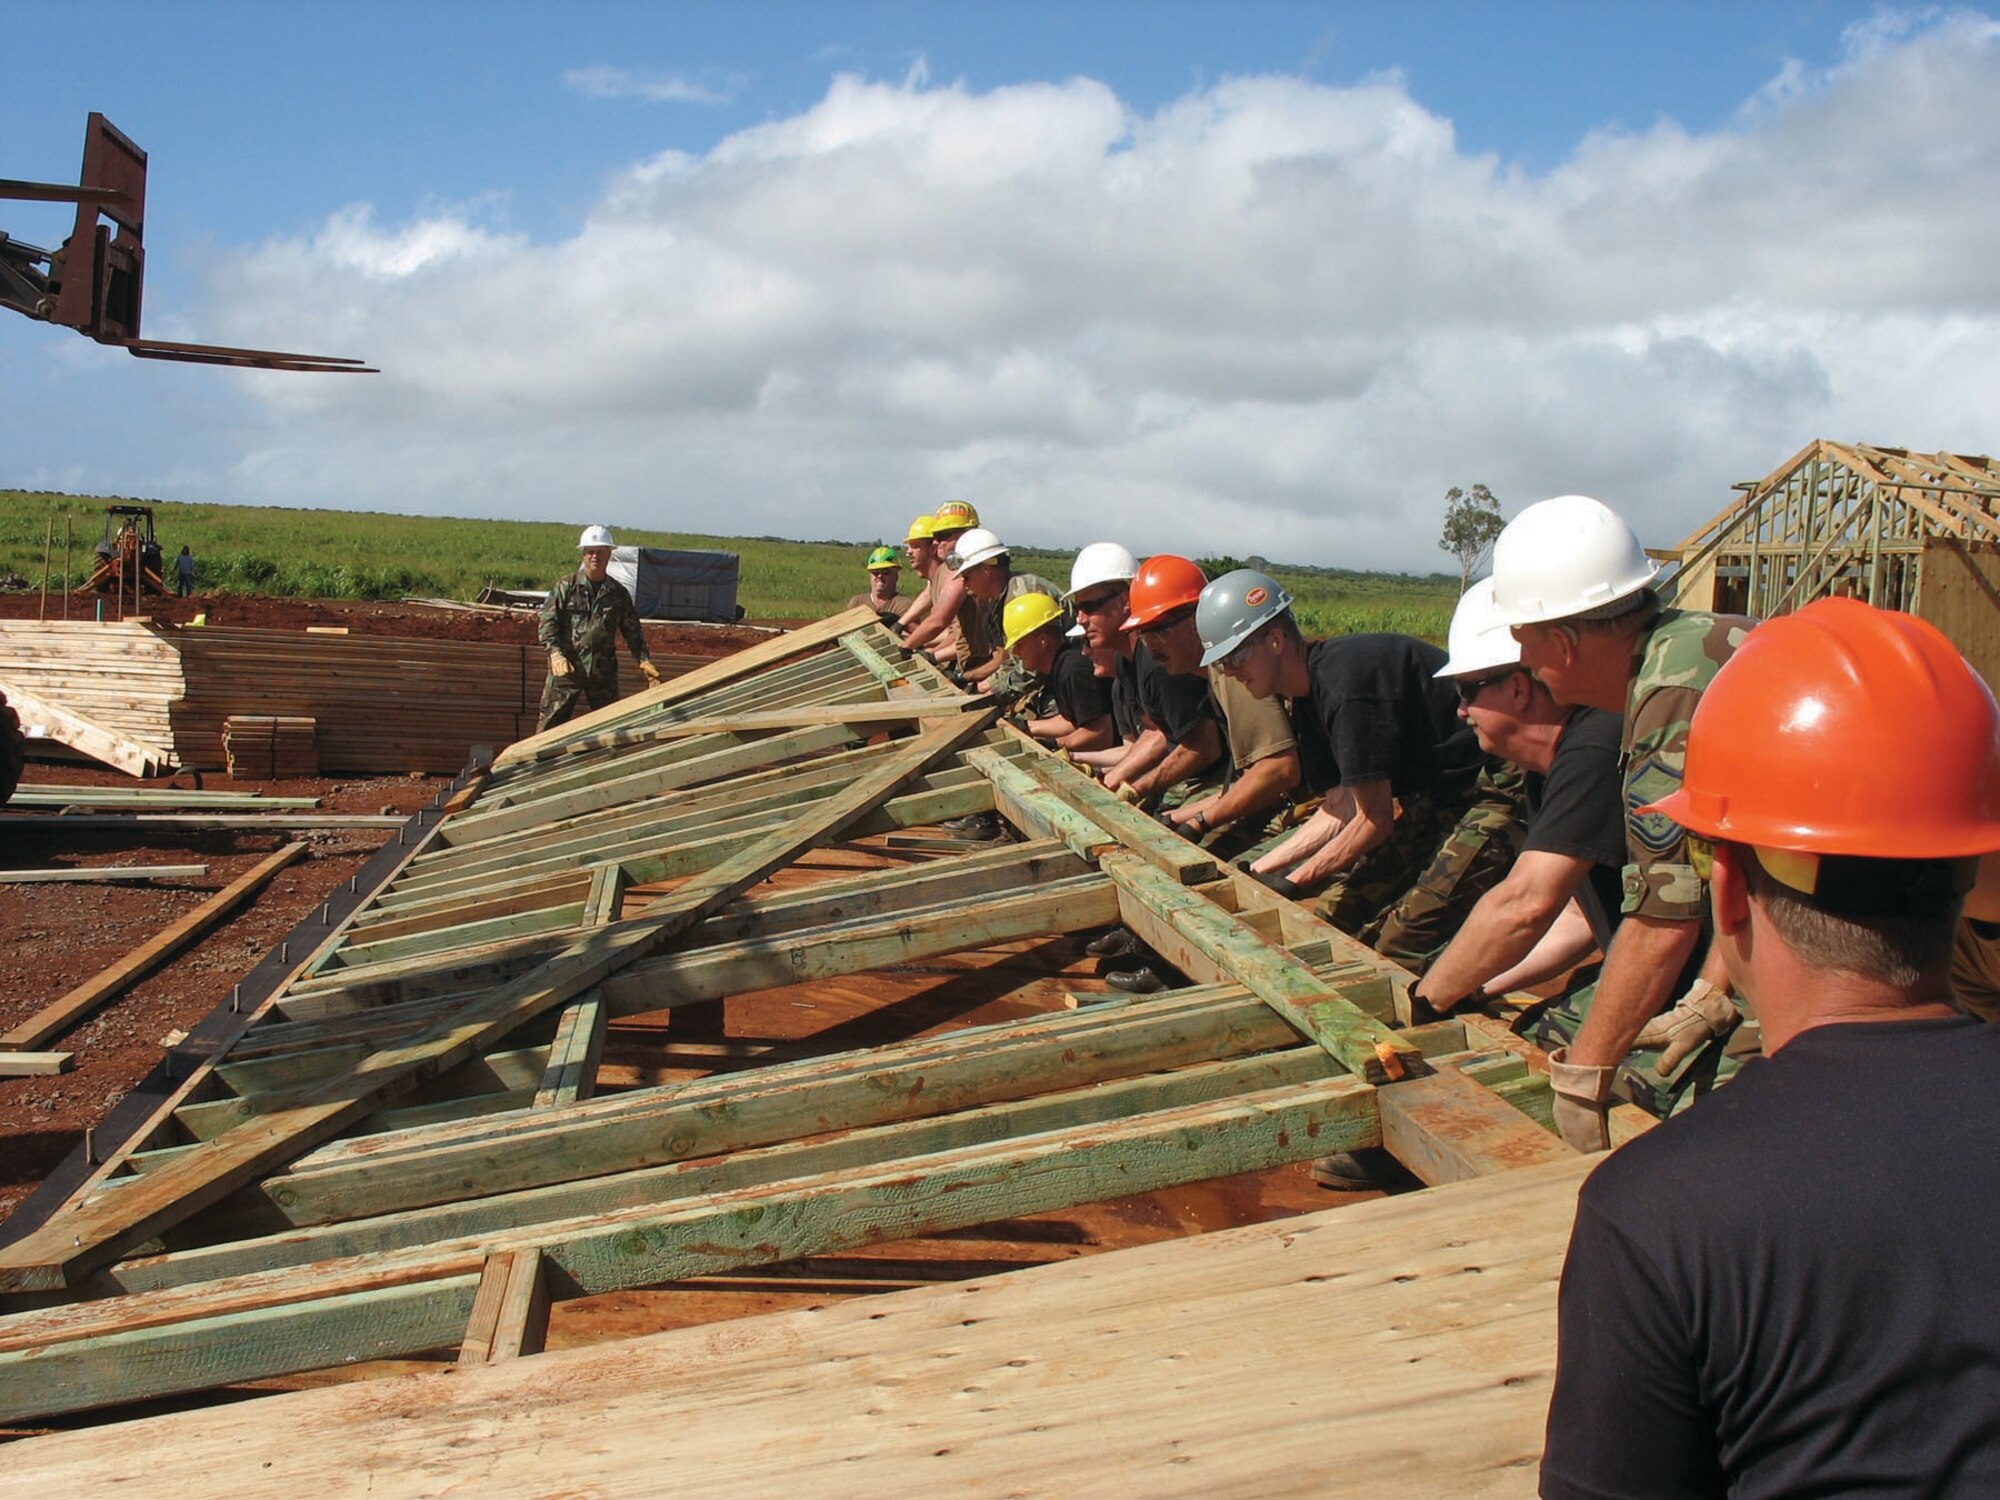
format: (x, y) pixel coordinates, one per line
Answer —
(1469, 692)
(1238, 658)
(1165, 622)
(1098, 603)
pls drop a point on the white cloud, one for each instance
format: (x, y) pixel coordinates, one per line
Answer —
(1272, 317)
(652, 88)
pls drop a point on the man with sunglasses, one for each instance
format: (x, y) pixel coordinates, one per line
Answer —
(1413, 827)
(1168, 727)
(1574, 850)
(1571, 578)
(1786, 1290)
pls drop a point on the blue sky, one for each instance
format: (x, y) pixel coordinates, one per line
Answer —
(1256, 277)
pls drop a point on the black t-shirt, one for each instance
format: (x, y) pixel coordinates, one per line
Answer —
(1125, 698)
(1578, 810)
(1788, 1289)
(1080, 695)
(1178, 705)
(1378, 711)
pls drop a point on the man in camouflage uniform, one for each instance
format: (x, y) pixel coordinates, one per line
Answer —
(1415, 823)
(979, 559)
(1571, 578)
(581, 621)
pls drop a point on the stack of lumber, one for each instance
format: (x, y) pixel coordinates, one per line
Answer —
(261, 746)
(102, 690)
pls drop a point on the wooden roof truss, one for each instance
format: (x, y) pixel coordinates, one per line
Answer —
(404, 1150)
(1850, 516)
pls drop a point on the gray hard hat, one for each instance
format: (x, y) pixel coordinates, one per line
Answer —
(1235, 607)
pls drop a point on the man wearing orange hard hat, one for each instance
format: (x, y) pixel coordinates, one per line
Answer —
(1785, 1288)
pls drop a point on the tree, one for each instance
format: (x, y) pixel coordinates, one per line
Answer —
(1471, 523)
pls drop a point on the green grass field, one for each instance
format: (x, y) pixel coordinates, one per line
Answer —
(368, 555)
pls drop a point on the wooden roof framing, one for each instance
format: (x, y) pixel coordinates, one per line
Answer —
(404, 1148)
(1846, 510)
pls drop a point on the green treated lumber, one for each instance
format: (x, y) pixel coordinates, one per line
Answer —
(912, 1140)
(85, 1236)
(1186, 862)
(884, 671)
(1447, 1128)
(717, 1117)
(571, 1074)
(852, 701)
(229, 1347)
(623, 786)
(607, 895)
(513, 898)
(1187, 928)
(91, 1354)
(691, 684)
(277, 822)
(415, 939)
(42, 795)
(802, 716)
(1031, 807)
(486, 1073)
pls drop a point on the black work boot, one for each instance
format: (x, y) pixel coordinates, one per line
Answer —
(984, 828)
(1370, 1169)
(1144, 980)
(1117, 943)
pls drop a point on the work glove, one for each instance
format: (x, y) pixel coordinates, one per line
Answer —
(1019, 721)
(1129, 794)
(1165, 816)
(1282, 884)
(650, 672)
(1704, 1012)
(1582, 1116)
(559, 665)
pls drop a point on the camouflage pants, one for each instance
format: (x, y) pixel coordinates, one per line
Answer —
(1013, 682)
(562, 695)
(1639, 1079)
(1248, 839)
(1407, 898)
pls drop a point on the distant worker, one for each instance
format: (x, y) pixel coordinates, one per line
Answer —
(885, 572)
(1078, 700)
(922, 555)
(938, 633)
(580, 625)
(1415, 823)
(1572, 579)
(986, 568)
(1785, 1289)
(184, 573)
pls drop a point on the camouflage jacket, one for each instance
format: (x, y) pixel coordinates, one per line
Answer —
(1677, 659)
(583, 620)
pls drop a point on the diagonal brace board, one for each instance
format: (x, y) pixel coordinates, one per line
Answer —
(97, 1232)
(1190, 929)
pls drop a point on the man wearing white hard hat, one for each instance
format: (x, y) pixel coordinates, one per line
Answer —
(981, 561)
(581, 621)
(1571, 578)
(1573, 854)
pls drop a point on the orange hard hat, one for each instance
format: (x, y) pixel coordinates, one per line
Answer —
(1845, 729)
(1164, 584)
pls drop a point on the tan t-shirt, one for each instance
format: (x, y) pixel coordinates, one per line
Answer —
(1257, 728)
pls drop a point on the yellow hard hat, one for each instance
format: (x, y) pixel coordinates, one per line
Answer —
(920, 529)
(1025, 614)
(955, 515)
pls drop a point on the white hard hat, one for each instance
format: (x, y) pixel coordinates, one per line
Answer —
(1564, 556)
(975, 547)
(1480, 640)
(1101, 562)
(595, 536)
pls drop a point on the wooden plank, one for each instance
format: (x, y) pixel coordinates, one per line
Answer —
(1350, 1353)
(105, 873)
(574, 1055)
(91, 1234)
(1447, 1128)
(53, 1019)
(510, 1314)
(1188, 863)
(1202, 939)
(43, 720)
(34, 1064)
